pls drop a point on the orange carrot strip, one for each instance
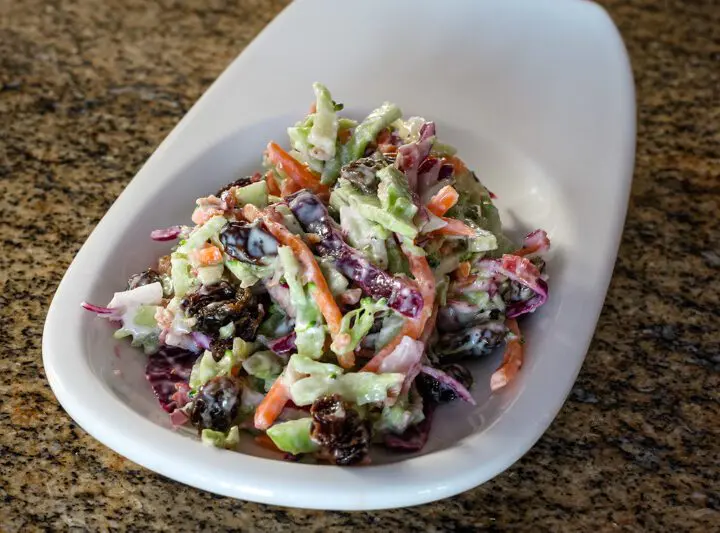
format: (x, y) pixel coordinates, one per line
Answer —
(289, 187)
(344, 135)
(209, 255)
(512, 358)
(527, 250)
(272, 185)
(383, 137)
(313, 108)
(413, 328)
(430, 324)
(294, 169)
(387, 148)
(272, 405)
(457, 164)
(374, 364)
(443, 200)
(463, 270)
(455, 227)
(322, 295)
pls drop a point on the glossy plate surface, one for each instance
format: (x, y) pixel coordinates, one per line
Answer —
(538, 98)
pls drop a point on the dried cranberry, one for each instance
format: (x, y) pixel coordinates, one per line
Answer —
(344, 436)
(217, 403)
(143, 278)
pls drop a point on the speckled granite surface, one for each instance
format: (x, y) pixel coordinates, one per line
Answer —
(89, 88)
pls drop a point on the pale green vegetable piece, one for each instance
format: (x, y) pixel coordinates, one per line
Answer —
(293, 436)
(219, 439)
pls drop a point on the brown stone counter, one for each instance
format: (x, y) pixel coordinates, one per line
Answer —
(88, 88)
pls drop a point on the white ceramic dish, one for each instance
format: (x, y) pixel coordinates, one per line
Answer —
(537, 96)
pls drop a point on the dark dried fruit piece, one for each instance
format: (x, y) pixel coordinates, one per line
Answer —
(218, 347)
(338, 428)
(432, 389)
(206, 294)
(362, 172)
(240, 182)
(217, 305)
(248, 242)
(143, 278)
(477, 341)
(217, 403)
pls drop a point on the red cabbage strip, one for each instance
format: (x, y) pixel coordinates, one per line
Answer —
(536, 242)
(168, 371)
(411, 156)
(401, 293)
(520, 270)
(100, 310)
(283, 345)
(167, 234)
(449, 381)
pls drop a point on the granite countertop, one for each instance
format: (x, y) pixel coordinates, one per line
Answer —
(87, 90)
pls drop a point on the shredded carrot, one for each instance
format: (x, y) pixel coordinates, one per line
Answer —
(210, 255)
(374, 364)
(344, 135)
(322, 295)
(455, 227)
(383, 137)
(313, 108)
(458, 165)
(425, 279)
(267, 443)
(413, 328)
(430, 324)
(387, 148)
(443, 200)
(294, 169)
(288, 187)
(512, 358)
(544, 243)
(272, 186)
(272, 405)
(463, 270)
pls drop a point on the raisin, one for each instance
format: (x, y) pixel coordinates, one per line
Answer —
(218, 347)
(248, 242)
(218, 292)
(217, 305)
(339, 430)
(217, 404)
(476, 341)
(241, 182)
(143, 278)
(363, 172)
